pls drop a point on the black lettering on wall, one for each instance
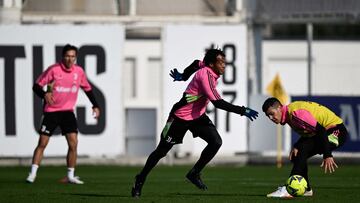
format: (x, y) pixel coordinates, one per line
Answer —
(9, 54)
(37, 70)
(99, 52)
(229, 77)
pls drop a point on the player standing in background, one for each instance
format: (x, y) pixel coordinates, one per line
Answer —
(189, 114)
(63, 80)
(321, 131)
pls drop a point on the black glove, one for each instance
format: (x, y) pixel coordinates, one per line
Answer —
(174, 73)
(251, 114)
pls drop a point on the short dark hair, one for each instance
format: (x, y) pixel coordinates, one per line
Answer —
(270, 102)
(68, 47)
(211, 54)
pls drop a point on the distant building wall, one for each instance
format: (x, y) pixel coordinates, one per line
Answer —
(335, 66)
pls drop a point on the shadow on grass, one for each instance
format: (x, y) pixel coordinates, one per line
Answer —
(217, 194)
(337, 187)
(171, 195)
(94, 195)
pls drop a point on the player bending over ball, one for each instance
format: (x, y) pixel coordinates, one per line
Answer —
(321, 131)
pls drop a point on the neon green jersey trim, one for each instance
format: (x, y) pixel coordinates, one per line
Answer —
(333, 139)
(191, 98)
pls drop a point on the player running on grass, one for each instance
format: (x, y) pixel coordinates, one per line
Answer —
(65, 79)
(189, 114)
(320, 130)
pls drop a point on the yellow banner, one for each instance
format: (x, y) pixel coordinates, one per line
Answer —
(276, 90)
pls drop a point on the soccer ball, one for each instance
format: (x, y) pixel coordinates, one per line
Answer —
(296, 185)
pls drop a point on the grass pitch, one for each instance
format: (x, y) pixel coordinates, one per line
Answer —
(167, 184)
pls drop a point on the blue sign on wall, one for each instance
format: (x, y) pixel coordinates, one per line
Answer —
(348, 108)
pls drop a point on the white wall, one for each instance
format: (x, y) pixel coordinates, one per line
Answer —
(144, 88)
(142, 81)
(103, 43)
(335, 68)
(142, 85)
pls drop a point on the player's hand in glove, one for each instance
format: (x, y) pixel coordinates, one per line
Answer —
(174, 73)
(251, 114)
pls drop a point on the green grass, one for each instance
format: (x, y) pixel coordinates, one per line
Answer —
(167, 184)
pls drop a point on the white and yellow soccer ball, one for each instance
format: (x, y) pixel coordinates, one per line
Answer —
(296, 185)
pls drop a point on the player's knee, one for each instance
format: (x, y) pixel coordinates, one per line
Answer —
(42, 145)
(162, 153)
(73, 146)
(162, 149)
(299, 158)
(217, 143)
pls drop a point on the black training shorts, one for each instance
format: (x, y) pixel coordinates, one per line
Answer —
(64, 119)
(175, 129)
